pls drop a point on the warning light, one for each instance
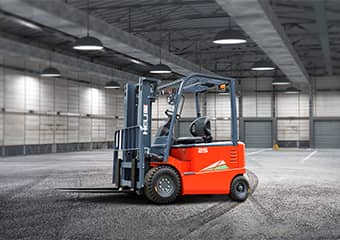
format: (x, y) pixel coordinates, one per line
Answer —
(222, 87)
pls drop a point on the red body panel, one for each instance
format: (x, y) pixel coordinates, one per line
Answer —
(207, 169)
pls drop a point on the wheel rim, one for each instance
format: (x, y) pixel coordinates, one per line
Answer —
(165, 186)
(241, 189)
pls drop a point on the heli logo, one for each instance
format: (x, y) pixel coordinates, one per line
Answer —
(202, 150)
(219, 165)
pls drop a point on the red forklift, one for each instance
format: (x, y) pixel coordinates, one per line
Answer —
(168, 166)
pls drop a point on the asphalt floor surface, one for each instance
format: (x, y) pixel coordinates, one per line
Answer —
(296, 196)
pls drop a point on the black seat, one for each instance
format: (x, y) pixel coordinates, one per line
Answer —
(200, 130)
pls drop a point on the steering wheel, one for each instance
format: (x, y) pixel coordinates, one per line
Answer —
(169, 113)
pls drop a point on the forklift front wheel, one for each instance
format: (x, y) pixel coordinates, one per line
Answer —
(239, 189)
(162, 184)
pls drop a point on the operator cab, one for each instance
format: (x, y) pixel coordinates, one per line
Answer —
(197, 129)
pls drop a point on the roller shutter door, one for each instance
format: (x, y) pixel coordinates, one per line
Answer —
(327, 134)
(258, 134)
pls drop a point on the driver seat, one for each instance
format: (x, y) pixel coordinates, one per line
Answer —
(200, 129)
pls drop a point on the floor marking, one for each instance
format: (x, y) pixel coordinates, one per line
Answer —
(257, 152)
(308, 157)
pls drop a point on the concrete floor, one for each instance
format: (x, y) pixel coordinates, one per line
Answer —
(297, 197)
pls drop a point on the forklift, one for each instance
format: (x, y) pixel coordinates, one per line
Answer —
(166, 166)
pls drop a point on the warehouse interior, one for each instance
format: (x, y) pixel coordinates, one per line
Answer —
(61, 105)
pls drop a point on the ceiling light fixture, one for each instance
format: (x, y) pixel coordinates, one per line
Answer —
(292, 90)
(229, 37)
(160, 68)
(280, 81)
(50, 72)
(263, 66)
(88, 43)
(112, 85)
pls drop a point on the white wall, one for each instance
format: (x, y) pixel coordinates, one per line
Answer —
(32, 103)
(293, 130)
(292, 105)
(257, 105)
(327, 104)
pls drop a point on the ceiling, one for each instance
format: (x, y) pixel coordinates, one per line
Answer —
(186, 29)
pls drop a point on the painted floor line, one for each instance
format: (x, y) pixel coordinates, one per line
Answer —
(308, 157)
(257, 152)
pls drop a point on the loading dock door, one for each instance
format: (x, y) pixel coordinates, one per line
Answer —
(327, 134)
(258, 134)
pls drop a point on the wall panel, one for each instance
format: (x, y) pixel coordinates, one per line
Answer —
(61, 95)
(98, 130)
(73, 97)
(85, 133)
(2, 87)
(15, 91)
(73, 129)
(32, 97)
(46, 94)
(32, 129)
(15, 129)
(218, 106)
(46, 129)
(110, 129)
(61, 129)
(257, 105)
(327, 104)
(292, 105)
(1, 128)
(85, 99)
(293, 130)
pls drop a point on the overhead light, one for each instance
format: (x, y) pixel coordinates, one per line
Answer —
(136, 61)
(88, 43)
(229, 37)
(292, 90)
(50, 72)
(112, 84)
(280, 81)
(263, 66)
(160, 69)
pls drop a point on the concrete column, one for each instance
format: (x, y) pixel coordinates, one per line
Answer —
(312, 91)
(274, 119)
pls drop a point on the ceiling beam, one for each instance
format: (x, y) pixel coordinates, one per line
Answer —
(321, 22)
(65, 18)
(259, 22)
(156, 4)
(65, 63)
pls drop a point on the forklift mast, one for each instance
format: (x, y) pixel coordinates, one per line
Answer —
(133, 142)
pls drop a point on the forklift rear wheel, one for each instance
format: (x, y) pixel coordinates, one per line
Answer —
(239, 189)
(162, 184)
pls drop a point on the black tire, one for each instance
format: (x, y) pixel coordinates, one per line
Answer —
(239, 189)
(162, 184)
